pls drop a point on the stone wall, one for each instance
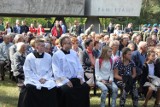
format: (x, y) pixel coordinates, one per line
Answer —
(71, 7)
(43, 7)
(113, 7)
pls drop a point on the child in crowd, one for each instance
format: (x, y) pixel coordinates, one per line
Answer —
(104, 75)
(124, 77)
(150, 69)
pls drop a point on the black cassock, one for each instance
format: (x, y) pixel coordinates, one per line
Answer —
(30, 96)
(77, 96)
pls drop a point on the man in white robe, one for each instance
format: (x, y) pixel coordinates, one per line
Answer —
(40, 88)
(73, 91)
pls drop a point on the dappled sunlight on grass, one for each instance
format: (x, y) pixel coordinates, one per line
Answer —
(95, 101)
(9, 93)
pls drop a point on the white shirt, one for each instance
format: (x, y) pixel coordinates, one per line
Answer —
(116, 56)
(104, 72)
(37, 68)
(151, 69)
(18, 29)
(66, 66)
(117, 32)
(8, 30)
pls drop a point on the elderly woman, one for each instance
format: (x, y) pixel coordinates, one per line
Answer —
(115, 52)
(12, 50)
(18, 59)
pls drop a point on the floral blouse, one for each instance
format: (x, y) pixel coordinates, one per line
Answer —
(124, 69)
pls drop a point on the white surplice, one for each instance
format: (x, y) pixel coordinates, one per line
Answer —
(66, 66)
(37, 68)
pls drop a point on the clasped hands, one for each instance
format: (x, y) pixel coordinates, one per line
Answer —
(42, 81)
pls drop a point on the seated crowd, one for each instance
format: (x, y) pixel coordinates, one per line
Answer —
(57, 69)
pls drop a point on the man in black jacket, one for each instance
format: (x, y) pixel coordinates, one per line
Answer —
(24, 27)
(110, 28)
(129, 29)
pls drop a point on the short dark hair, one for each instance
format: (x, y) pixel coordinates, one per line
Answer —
(62, 39)
(95, 43)
(87, 42)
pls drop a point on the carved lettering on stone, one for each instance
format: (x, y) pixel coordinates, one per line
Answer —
(113, 7)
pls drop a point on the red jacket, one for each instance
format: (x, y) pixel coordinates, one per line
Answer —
(55, 32)
(32, 30)
(40, 30)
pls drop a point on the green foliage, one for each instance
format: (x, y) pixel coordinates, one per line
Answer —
(46, 22)
(150, 13)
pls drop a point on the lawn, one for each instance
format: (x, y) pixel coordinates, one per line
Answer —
(9, 96)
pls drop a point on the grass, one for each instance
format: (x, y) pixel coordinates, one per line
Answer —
(9, 96)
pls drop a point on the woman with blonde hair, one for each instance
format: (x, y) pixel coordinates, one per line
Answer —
(116, 54)
(104, 75)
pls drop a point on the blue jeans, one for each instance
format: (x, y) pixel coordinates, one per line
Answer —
(104, 91)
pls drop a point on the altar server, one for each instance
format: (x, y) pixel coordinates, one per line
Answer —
(40, 88)
(73, 91)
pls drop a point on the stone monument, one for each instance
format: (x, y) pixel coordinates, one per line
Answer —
(110, 8)
(43, 7)
(92, 9)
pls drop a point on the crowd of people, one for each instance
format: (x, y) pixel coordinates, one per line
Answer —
(57, 69)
